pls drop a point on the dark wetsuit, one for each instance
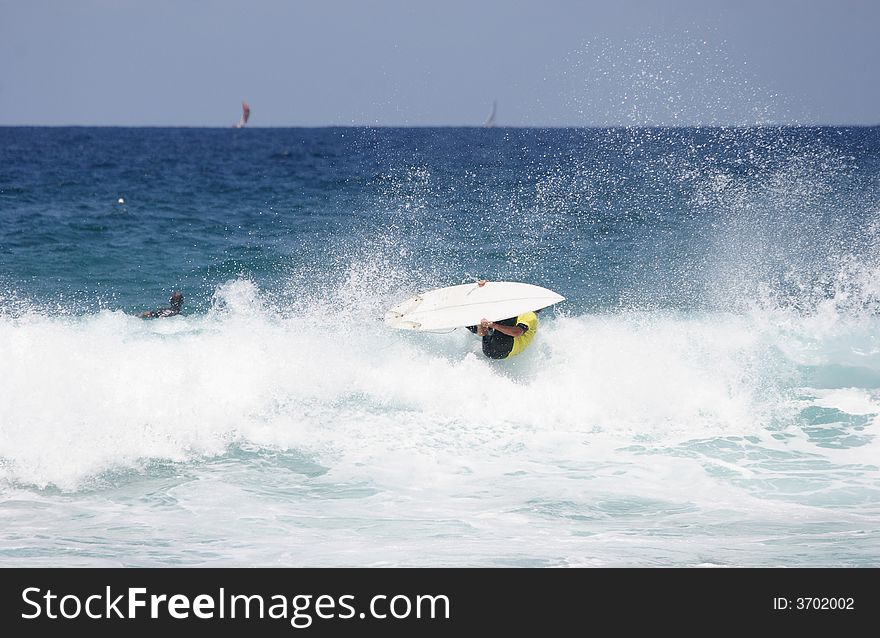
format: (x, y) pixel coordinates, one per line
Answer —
(174, 309)
(496, 344)
(162, 312)
(176, 302)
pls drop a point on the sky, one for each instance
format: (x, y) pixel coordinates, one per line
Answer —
(440, 63)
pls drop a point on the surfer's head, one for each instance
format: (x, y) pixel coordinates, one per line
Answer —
(176, 300)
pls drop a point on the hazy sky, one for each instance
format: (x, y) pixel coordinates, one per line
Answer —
(398, 62)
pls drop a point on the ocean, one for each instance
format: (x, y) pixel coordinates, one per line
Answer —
(707, 395)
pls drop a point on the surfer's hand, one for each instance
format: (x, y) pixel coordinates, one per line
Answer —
(484, 324)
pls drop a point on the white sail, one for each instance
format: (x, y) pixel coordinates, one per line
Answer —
(490, 121)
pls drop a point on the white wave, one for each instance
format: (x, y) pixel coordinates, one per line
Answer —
(86, 395)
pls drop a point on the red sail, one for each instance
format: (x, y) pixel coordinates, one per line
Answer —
(245, 114)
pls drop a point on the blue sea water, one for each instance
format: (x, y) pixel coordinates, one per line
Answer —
(708, 394)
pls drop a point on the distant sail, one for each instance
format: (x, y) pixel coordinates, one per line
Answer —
(490, 121)
(245, 114)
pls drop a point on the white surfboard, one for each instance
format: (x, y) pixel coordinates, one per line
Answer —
(467, 304)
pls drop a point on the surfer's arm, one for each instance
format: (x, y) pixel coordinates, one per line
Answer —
(510, 331)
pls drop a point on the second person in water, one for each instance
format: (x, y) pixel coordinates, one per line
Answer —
(175, 304)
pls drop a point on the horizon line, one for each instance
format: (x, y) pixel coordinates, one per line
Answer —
(451, 126)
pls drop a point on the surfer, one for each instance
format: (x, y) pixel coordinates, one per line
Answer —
(507, 337)
(175, 302)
